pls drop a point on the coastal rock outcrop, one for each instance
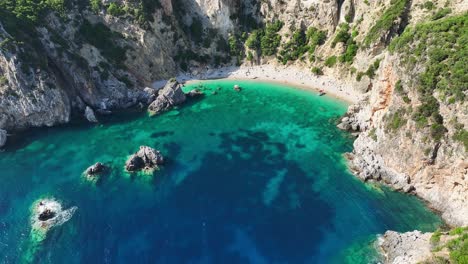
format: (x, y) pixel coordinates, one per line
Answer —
(47, 214)
(96, 169)
(89, 115)
(145, 158)
(171, 95)
(405, 248)
(3, 137)
(194, 93)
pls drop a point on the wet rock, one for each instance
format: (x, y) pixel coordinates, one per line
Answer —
(149, 95)
(96, 169)
(194, 93)
(170, 96)
(48, 213)
(146, 158)
(89, 115)
(3, 137)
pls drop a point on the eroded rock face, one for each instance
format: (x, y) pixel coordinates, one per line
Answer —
(3, 137)
(146, 158)
(89, 115)
(406, 248)
(407, 158)
(168, 97)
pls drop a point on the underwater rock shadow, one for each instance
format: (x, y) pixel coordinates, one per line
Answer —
(226, 189)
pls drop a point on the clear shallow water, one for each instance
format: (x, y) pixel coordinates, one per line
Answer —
(252, 177)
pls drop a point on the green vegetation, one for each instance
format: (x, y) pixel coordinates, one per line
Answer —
(317, 71)
(100, 36)
(372, 68)
(435, 238)
(372, 134)
(330, 61)
(315, 37)
(342, 36)
(236, 48)
(429, 5)
(442, 47)
(265, 41)
(114, 9)
(396, 120)
(271, 40)
(370, 71)
(457, 245)
(399, 87)
(3, 80)
(95, 5)
(461, 135)
(31, 10)
(347, 39)
(294, 48)
(253, 42)
(387, 21)
(441, 13)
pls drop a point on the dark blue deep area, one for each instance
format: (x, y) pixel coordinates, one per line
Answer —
(251, 177)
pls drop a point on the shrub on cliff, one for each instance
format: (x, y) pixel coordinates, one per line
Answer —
(271, 40)
(387, 20)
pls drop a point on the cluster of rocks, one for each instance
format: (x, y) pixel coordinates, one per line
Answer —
(145, 158)
(351, 122)
(168, 97)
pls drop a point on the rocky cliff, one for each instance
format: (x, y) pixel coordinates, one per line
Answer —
(58, 58)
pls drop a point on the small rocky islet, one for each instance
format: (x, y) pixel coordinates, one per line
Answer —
(402, 63)
(47, 213)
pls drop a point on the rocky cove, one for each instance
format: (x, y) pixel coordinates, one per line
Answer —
(411, 136)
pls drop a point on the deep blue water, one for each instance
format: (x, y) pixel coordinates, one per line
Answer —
(252, 177)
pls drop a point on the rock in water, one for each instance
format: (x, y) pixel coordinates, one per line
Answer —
(168, 97)
(194, 93)
(146, 158)
(46, 214)
(90, 116)
(237, 88)
(96, 169)
(3, 137)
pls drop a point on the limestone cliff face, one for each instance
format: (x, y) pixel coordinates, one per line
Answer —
(407, 158)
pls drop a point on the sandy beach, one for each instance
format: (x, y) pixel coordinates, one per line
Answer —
(289, 75)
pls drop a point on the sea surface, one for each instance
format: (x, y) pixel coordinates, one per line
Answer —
(256, 176)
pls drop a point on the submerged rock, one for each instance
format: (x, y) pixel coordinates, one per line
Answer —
(46, 214)
(146, 158)
(89, 115)
(168, 97)
(96, 169)
(194, 93)
(3, 137)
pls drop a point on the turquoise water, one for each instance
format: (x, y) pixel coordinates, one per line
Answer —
(252, 177)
